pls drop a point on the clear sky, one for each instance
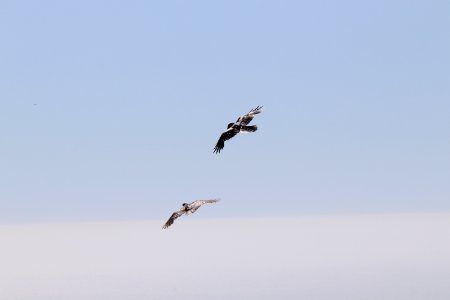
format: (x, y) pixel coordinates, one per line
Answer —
(109, 110)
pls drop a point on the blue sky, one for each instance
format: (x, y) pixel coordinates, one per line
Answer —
(110, 110)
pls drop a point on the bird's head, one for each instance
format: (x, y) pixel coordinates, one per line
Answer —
(229, 125)
(185, 204)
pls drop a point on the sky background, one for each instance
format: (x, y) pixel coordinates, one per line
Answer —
(109, 110)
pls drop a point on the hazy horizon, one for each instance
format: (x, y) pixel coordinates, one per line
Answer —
(391, 257)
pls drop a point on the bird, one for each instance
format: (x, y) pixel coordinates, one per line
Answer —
(187, 208)
(241, 125)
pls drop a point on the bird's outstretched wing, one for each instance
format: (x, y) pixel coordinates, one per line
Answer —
(196, 204)
(248, 117)
(172, 218)
(226, 135)
(201, 202)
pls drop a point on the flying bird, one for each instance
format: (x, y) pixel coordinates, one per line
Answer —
(241, 125)
(187, 208)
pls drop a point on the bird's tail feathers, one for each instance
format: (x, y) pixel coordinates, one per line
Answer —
(252, 128)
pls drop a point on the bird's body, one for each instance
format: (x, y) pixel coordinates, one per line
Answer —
(187, 208)
(241, 125)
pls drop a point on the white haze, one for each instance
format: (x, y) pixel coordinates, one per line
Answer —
(345, 257)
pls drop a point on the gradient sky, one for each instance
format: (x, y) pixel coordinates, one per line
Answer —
(109, 110)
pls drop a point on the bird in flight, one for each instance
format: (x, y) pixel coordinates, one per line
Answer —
(241, 125)
(187, 208)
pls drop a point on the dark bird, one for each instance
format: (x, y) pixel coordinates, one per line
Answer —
(187, 209)
(241, 125)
